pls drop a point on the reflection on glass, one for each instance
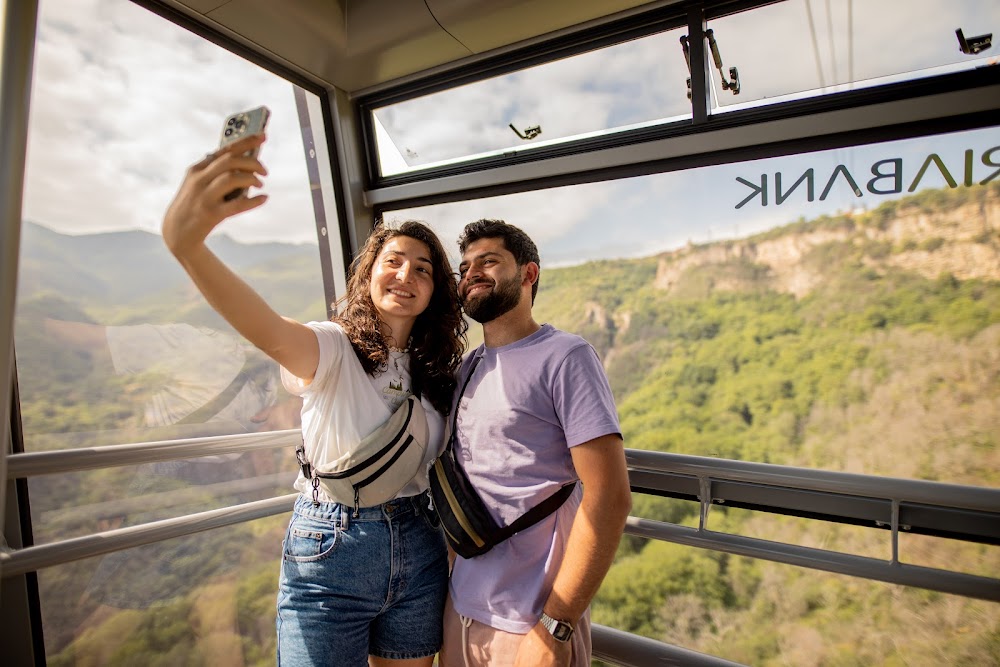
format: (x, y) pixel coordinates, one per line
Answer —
(70, 505)
(160, 381)
(203, 599)
(637, 83)
(811, 47)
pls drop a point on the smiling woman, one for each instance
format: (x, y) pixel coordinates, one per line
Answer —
(401, 286)
(399, 294)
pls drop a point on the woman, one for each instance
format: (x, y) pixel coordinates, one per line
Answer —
(362, 586)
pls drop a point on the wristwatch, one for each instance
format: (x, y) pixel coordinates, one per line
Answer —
(561, 630)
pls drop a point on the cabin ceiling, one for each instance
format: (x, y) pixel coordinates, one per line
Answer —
(357, 44)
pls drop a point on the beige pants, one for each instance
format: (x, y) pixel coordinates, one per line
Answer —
(469, 643)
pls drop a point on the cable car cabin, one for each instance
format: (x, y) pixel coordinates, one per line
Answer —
(777, 223)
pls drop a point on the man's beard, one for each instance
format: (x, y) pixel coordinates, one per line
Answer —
(505, 295)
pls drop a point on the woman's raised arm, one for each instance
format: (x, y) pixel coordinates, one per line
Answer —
(198, 208)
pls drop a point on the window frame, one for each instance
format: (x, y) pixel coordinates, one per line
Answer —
(380, 190)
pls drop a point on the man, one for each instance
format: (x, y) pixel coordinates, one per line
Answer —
(537, 413)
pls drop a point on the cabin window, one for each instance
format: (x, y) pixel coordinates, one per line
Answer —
(113, 344)
(820, 310)
(816, 48)
(638, 83)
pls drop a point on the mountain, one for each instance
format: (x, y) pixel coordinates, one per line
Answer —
(934, 235)
(113, 272)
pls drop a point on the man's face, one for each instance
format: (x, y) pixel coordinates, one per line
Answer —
(490, 283)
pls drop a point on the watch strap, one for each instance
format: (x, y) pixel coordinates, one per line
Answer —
(561, 630)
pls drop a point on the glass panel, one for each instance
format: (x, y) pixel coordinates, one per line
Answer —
(628, 85)
(113, 343)
(836, 310)
(756, 612)
(205, 599)
(803, 48)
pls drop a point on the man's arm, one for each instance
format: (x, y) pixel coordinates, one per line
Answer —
(591, 547)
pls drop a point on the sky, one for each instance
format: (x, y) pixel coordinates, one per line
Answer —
(123, 102)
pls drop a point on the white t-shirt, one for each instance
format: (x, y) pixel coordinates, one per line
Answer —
(343, 404)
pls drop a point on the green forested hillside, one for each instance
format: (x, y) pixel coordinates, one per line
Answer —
(867, 343)
(882, 366)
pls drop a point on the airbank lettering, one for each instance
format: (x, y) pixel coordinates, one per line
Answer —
(887, 178)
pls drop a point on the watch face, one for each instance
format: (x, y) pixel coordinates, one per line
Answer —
(560, 630)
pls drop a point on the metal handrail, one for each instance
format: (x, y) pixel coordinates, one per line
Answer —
(41, 556)
(31, 464)
(890, 491)
(628, 650)
(894, 572)
(655, 469)
(874, 501)
(827, 481)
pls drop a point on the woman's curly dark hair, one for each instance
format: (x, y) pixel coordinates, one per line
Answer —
(437, 340)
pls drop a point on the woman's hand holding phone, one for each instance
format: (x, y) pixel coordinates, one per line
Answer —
(203, 201)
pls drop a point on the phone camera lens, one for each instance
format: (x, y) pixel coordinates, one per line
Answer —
(240, 124)
(229, 131)
(231, 121)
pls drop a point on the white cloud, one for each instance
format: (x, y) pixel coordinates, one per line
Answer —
(124, 101)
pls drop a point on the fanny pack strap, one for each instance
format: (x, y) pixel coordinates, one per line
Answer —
(307, 471)
(536, 513)
(458, 401)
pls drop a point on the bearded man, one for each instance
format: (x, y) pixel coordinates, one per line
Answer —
(536, 414)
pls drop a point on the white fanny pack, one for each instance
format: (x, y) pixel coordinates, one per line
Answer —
(383, 463)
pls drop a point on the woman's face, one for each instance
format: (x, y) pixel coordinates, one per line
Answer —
(402, 279)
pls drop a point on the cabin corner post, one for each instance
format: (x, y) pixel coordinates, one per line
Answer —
(18, 40)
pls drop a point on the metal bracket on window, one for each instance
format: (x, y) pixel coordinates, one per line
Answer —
(705, 498)
(973, 45)
(529, 132)
(734, 75)
(686, 47)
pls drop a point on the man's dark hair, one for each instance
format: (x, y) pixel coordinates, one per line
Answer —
(514, 240)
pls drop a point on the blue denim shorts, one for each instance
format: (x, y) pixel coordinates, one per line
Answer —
(353, 586)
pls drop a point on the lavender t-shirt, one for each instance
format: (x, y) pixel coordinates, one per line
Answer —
(525, 406)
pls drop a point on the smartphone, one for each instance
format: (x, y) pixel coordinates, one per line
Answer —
(239, 125)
